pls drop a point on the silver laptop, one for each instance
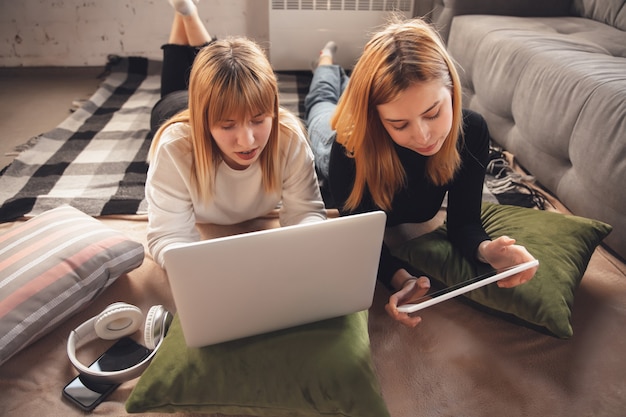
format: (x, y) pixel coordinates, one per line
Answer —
(243, 285)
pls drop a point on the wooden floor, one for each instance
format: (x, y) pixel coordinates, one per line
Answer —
(35, 100)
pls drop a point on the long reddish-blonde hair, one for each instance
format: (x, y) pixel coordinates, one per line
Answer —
(399, 55)
(231, 77)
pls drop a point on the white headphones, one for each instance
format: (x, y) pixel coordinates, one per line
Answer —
(116, 321)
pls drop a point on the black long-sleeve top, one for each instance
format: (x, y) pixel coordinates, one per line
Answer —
(419, 200)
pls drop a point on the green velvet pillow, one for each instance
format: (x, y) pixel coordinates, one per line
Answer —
(563, 244)
(318, 369)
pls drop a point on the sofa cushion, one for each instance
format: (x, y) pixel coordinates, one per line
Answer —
(611, 12)
(553, 92)
(443, 11)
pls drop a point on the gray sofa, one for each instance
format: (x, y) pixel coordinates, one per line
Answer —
(549, 76)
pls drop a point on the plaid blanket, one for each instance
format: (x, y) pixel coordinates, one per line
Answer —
(96, 159)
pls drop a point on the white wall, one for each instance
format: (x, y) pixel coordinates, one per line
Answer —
(84, 32)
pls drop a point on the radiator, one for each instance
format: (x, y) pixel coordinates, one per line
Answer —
(298, 29)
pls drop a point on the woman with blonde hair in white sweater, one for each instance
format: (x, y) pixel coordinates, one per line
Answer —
(232, 154)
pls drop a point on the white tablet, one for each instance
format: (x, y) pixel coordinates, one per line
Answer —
(465, 286)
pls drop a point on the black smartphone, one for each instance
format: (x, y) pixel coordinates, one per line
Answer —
(88, 394)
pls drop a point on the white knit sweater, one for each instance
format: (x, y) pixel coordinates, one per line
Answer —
(174, 207)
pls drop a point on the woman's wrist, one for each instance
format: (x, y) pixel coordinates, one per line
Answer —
(407, 280)
(481, 250)
(400, 278)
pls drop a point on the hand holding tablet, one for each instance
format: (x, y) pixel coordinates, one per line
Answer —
(465, 286)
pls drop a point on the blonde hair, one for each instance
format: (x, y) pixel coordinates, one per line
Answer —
(231, 76)
(395, 58)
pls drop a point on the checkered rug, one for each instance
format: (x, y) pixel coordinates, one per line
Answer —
(96, 159)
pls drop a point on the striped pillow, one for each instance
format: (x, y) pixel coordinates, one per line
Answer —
(50, 266)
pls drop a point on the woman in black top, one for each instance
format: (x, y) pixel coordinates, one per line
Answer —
(397, 140)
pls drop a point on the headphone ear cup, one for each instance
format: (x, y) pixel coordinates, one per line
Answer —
(158, 320)
(118, 320)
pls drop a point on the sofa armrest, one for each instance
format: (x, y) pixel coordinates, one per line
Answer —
(444, 10)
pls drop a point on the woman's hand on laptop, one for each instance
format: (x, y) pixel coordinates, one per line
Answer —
(501, 253)
(410, 289)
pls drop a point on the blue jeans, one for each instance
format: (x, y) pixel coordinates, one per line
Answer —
(327, 85)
